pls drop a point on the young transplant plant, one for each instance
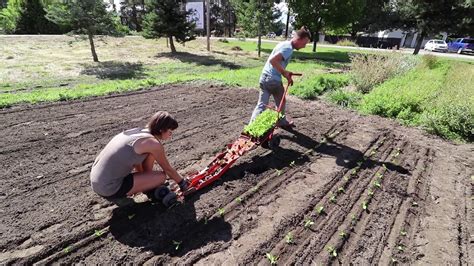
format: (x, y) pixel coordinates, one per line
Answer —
(262, 123)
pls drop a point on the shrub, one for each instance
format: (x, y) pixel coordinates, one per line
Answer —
(453, 122)
(370, 70)
(9, 17)
(429, 61)
(440, 99)
(451, 112)
(344, 98)
(120, 29)
(346, 42)
(311, 88)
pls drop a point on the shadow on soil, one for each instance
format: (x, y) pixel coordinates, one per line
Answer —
(152, 227)
(114, 70)
(166, 232)
(199, 59)
(345, 156)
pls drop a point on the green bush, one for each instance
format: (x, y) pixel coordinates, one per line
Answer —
(451, 113)
(370, 70)
(120, 29)
(9, 17)
(440, 99)
(453, 122)
(346, 42)
(344, 98)
(311, 88)
(430, 61)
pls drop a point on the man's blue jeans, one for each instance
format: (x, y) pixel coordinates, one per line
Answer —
(267, 88)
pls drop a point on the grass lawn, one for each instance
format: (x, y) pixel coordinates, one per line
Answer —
(53, 68)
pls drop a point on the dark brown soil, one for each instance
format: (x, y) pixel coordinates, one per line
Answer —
(417, 189)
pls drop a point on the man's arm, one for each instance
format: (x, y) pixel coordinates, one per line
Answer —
(276, 63)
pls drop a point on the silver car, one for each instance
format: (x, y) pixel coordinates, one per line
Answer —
(436, 46)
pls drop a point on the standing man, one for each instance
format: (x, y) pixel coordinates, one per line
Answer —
(270, 79)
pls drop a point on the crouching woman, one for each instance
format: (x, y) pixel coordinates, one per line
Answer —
(125, 166)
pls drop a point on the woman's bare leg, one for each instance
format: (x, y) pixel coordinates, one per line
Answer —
(148, 163)
(146, 181)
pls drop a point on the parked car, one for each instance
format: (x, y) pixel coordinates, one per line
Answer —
(462, 45)
(436, 46)
(271, 35)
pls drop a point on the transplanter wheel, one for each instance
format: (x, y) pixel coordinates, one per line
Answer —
(274, 143)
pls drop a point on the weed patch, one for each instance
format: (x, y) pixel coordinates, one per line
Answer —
(311, 88)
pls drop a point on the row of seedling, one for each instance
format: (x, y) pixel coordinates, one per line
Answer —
(332, 199)
(376, 184)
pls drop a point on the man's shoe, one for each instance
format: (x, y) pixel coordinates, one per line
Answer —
(286, 124)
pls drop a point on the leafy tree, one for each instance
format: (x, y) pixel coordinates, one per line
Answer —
(253, 15)
(132, 12)
(310, 13)
(168, 18)
(88, 17)
(228, 17)
(223, 17)
(430, 17)
(256, 17)
(353, 16)
(372, 16)
(32, 19)
(9, 16)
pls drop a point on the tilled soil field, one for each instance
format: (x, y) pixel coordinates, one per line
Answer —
(341, 189)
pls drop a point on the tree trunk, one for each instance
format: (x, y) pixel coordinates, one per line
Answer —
(287, 23)
(418, 43)
(353, 35)
(259, 35)
(229, 16)
(315, 40)
(138, 27)
(91, 41)
(316, 33)
(173, 49)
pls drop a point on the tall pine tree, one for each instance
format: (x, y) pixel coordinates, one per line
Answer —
(168, 18)
(33, 20)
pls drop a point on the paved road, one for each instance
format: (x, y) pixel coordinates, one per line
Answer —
(403, 50)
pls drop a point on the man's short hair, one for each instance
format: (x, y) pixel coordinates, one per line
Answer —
(303, 32)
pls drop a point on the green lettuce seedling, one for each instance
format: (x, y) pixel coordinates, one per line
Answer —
(332, 251)
(272, 258)
(289, 238)
(176, 244)
(308, 223)
(320, 210)
(262, 123)
(221, 211)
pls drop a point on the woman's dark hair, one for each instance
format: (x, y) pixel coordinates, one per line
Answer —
(160, 122)
(303, 32)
